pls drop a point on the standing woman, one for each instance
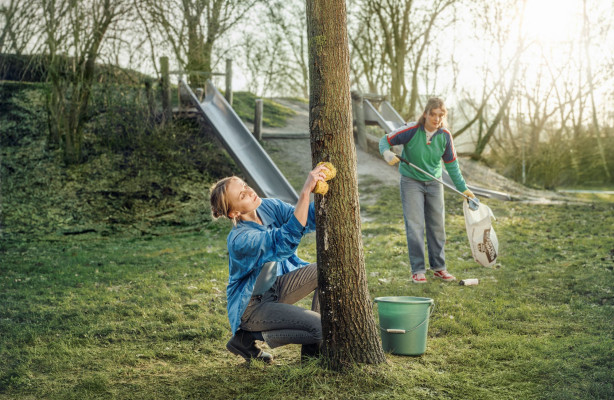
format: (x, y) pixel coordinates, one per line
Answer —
(425, 143)
(266, 277)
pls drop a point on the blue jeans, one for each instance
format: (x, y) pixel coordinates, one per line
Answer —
(423, 207)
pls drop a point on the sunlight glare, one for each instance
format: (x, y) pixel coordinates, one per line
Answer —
(551, 21)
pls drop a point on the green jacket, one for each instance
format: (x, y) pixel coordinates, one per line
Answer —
(426, 155)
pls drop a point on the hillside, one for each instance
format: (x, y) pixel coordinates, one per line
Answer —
(154, 179)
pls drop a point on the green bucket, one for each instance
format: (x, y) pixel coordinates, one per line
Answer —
(404, 323)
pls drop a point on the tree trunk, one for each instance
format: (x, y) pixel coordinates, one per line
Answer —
(350, 332)
(199, 54)
(397, 81)
(55, 106)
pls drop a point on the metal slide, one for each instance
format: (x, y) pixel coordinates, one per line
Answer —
(389, 122)
(261, 172)
(389, 119)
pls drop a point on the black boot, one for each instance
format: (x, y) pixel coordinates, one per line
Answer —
(310, 351)
(243, 344)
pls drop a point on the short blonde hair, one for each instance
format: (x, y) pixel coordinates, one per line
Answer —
(220, 205)
(431, 104)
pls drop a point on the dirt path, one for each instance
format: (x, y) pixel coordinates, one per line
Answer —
(370, 169)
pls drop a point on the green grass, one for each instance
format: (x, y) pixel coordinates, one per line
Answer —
(273, 114)
(594, 192)
(134, 306)
(124, 316)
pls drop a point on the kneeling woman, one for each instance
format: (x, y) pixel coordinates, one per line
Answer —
(266, 277)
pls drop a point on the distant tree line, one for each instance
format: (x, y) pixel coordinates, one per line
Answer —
(75, 36)
(513, 106)
(513, 103)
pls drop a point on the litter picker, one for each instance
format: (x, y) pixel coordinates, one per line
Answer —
(474, 201)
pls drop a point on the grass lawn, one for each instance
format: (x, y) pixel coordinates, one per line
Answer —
(144, 317)
(112, 285)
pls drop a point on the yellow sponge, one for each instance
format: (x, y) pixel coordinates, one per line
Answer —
(321, 188)
(331, 172)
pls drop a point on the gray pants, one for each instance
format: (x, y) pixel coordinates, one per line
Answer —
(274, 314)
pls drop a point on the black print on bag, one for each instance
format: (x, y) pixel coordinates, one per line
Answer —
(487, 246)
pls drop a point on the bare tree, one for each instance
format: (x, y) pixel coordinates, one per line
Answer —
(289, 18)
(261, 58)
(538, 105)
(192, 28)
(483, 140)
(404, 31)
(74, 33)
(590, 78)
(498, 67)
(350, 333)
(54, 11)
(17, 26)
(275, 54)
(368, 57)
(19, 32)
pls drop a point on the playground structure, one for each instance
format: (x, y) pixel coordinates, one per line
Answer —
(386, 117)
(259, 169)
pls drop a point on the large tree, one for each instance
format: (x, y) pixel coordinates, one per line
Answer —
(350, 332)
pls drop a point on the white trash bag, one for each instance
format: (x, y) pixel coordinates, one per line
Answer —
(482, 236)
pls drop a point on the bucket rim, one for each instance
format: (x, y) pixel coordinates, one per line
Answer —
(404, 300)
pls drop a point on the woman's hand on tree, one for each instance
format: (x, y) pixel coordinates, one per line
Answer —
(315, 175)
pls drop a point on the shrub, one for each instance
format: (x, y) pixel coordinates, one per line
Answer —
(559, 161)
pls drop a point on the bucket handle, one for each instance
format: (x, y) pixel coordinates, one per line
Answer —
(404, 331)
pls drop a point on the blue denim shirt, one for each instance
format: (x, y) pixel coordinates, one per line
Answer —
(251, 245)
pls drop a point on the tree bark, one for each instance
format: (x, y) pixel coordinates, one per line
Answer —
(350, 332)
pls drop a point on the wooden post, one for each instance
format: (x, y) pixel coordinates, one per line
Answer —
(151, 104)
(200, 94)
(359, 119)
(166, 89)
(228, 93)
(258, 120)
